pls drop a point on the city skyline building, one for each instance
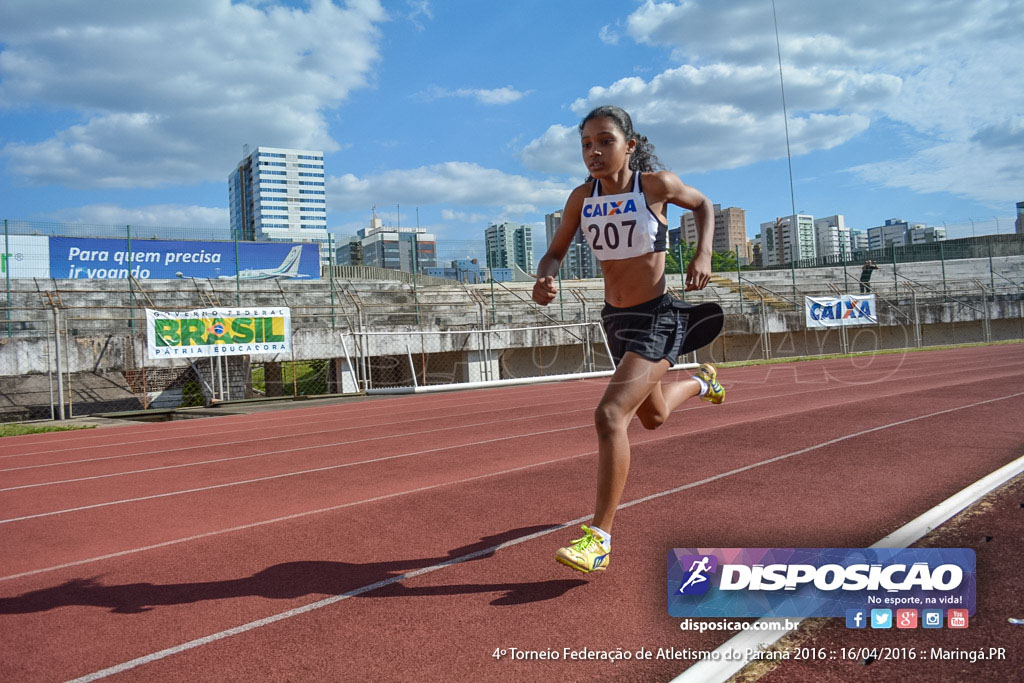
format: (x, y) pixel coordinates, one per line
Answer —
(348, 251)
(579, 262)
(893, 231)
(787, 239)
(508, 244)
(277, 194)
(730, 229)
(832, 236)
(1019, 223)
(394, 248)
(901, 233)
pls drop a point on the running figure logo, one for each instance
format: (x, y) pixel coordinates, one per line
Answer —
(695, 581)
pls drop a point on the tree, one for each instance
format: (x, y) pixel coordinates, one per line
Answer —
(722, 261)
(719, 261)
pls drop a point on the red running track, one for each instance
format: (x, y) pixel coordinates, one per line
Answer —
(412, 537)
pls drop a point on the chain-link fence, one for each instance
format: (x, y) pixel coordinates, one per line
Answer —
(74, 349)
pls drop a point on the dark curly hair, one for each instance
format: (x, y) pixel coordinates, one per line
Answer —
(643, 158)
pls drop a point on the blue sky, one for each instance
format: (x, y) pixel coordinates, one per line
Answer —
(135, 112)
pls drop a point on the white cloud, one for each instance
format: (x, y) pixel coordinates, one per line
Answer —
(155, 216)
(956, 67)
(463, 217)
(493, 96)
(419, 10)
(971, 170)
(723, 116)
(947, 70)
(610, 34)
(453, 183)
(169, 92)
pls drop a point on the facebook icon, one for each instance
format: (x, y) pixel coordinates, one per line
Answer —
(856, 618)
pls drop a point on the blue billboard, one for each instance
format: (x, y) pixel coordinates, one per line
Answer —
(90, 258)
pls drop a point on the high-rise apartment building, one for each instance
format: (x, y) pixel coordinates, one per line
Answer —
(858, 241)
(787, 239)
(579, 262)
(509, 244)
(831, 237)
(730, 229)
(279, 195)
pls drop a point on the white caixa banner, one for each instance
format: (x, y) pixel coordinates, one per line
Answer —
(840, 311)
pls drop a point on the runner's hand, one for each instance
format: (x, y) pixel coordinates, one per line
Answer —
(544, 290)
(698, 273)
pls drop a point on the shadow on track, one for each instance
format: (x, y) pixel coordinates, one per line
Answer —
(291, 580)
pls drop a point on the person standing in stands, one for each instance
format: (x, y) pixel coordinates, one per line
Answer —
(865, 276)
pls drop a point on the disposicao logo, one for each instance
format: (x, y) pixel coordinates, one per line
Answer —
(817, 582)
(696, 580)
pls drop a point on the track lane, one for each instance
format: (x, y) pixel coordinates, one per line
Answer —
(515, 583)
(516, 596)
(210, 509)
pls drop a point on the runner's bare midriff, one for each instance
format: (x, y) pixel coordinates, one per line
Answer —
(633, 281)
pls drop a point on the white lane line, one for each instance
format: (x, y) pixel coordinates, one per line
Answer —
(326, 602)
(734, 654)
(638, 442)
(351, 410)
(285, 518)
(502, 406)
(339, 443)
(317, 469)
(360, 427)
(282, 476)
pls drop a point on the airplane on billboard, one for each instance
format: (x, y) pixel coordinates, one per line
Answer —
(288, 269)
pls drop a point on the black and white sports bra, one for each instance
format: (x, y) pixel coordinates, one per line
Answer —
(621, 226)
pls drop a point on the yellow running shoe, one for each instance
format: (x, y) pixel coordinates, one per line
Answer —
(716, 392)
(586, 554)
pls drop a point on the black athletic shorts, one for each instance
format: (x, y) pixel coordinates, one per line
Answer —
(661, 328)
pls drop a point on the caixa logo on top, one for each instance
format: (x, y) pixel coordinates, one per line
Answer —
(816, 582)
(837, 311)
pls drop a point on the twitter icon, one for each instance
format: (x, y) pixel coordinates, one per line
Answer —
(881, 618)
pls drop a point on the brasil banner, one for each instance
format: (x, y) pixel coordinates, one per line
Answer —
(218, 332)
(838, 311)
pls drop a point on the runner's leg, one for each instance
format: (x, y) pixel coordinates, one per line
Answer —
(633, 381)
(663, 399)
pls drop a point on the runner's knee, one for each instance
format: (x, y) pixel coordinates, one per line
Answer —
(651, 419)
(608, 418)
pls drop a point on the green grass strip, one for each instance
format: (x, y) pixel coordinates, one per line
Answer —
(880, 352)
(15, 429)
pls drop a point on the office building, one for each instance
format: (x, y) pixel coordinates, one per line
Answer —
(579, 262)
(349, 252)
(394, 248)
(464, 270)
(509, 244)
(1019, 223)
(279, 195)
(730, 229)
(894, 231)
(924, 235)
